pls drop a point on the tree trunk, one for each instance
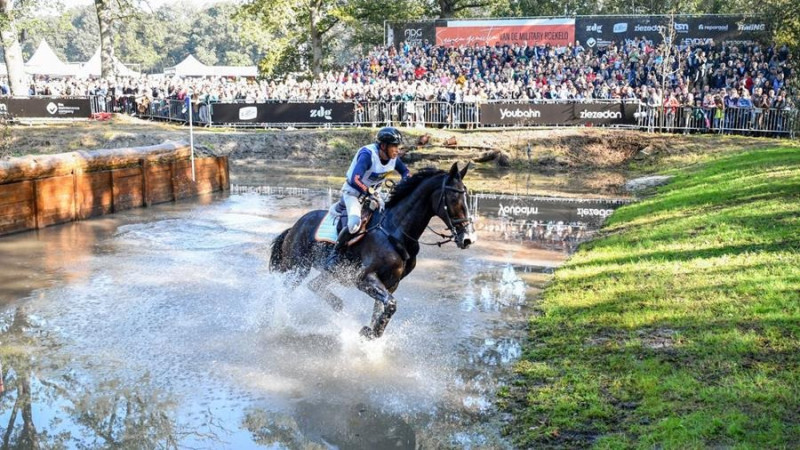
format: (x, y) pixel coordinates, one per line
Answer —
(13, 52)
(445, 9)
(316, 39)
(103, 9)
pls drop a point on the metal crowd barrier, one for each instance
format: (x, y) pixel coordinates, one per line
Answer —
(413, 113)
(686, 119)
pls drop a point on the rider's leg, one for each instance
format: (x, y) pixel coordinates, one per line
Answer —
(353, 224)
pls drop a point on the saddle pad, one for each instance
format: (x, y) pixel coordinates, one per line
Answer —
(326, 231)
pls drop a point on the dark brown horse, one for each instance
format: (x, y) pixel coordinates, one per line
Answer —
(388, 251)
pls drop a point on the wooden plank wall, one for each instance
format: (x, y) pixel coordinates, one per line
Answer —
(41, 202)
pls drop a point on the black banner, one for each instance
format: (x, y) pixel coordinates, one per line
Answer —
(44, 108)
(557, 114)
(414, 33)
(319, 113)
(548, 209)
(600, 31)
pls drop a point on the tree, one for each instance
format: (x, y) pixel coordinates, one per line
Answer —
(301, 24)
(13, 52)
(109, 13)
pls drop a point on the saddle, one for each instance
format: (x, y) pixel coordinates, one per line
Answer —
(334, 222)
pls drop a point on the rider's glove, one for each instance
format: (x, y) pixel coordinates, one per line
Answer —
(376, 202)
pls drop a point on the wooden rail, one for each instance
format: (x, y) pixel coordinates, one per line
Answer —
(39, 191)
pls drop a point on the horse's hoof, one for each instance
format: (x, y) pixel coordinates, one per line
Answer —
(367, 333)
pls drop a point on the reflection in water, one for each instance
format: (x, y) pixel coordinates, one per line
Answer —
(161, 327)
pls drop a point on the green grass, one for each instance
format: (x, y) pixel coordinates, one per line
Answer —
(679, 327)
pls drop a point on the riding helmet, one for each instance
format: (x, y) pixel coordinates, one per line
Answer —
(389, 135)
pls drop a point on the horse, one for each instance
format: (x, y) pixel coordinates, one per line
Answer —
(387, 253)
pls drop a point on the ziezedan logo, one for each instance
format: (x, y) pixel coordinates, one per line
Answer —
(646, 28)
(594, 212)
(248, 113)
(321, 113)
(519, 113)
(586, 114)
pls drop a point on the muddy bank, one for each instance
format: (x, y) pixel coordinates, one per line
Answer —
(602, 154)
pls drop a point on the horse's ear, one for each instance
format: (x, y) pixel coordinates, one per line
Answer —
(464, 170)
(454, 171)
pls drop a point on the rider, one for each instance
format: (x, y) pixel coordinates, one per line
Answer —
(370, 166)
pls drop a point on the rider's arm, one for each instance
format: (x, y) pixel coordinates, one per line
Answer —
(401, 168)
(363, 162)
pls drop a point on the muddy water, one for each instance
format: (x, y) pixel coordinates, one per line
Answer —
(162, 327)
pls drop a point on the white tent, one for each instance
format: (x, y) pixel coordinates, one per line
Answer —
(92, 68)
(191, 67)
(45, 62)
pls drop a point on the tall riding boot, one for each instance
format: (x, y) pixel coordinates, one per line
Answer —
(338, 250)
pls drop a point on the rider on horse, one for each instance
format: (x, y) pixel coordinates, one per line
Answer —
(370, 166)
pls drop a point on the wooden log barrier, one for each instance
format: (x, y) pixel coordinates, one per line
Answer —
(39, 191)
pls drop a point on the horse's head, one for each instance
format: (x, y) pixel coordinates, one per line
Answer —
(453, 209)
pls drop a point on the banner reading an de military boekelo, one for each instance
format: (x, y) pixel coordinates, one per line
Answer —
(557, 114)
(600, 31)
(44, 108)
(317, 113)
(415, 34)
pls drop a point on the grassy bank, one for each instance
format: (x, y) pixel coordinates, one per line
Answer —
(680, 326)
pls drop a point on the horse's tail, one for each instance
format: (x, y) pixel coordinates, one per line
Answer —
(276, 255)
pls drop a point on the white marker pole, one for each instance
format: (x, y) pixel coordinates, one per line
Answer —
(191, 133)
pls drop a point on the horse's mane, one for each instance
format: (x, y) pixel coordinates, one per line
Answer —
(407, 186)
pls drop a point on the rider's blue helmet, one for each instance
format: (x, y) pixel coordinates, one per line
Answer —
(389, 135)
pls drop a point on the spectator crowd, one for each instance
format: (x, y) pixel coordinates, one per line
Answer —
(668, 77)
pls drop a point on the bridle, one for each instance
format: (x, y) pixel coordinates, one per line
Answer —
(450, 222)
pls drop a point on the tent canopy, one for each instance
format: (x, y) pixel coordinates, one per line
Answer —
(191, 67)
(45, 62)
(92, 67)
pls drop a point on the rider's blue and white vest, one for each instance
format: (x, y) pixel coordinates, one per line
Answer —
(373, 175)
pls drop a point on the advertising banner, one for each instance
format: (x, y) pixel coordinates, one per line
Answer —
(600, 31)
(547, 209)
(557, 114)
(416, 34)
(556, 32)
(318, 113)
(43, 108)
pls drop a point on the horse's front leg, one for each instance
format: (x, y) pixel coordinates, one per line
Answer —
(320, 286)
(385, 305)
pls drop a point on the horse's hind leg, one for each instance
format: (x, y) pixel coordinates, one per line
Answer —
(319, 285)
(384, 309)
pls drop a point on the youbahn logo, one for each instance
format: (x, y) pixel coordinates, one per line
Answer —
(321, 113)
(586, 114)
(519, 113)
(517, 210)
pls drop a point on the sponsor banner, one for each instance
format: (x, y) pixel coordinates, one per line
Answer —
(546, 209)
(557, 114)
(556, 32)
(600, 31)
(414, 33)
(43, 108)
(319, 113)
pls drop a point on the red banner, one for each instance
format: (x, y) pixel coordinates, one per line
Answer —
(534, 32)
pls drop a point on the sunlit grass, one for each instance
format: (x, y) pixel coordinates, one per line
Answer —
(680, 326)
